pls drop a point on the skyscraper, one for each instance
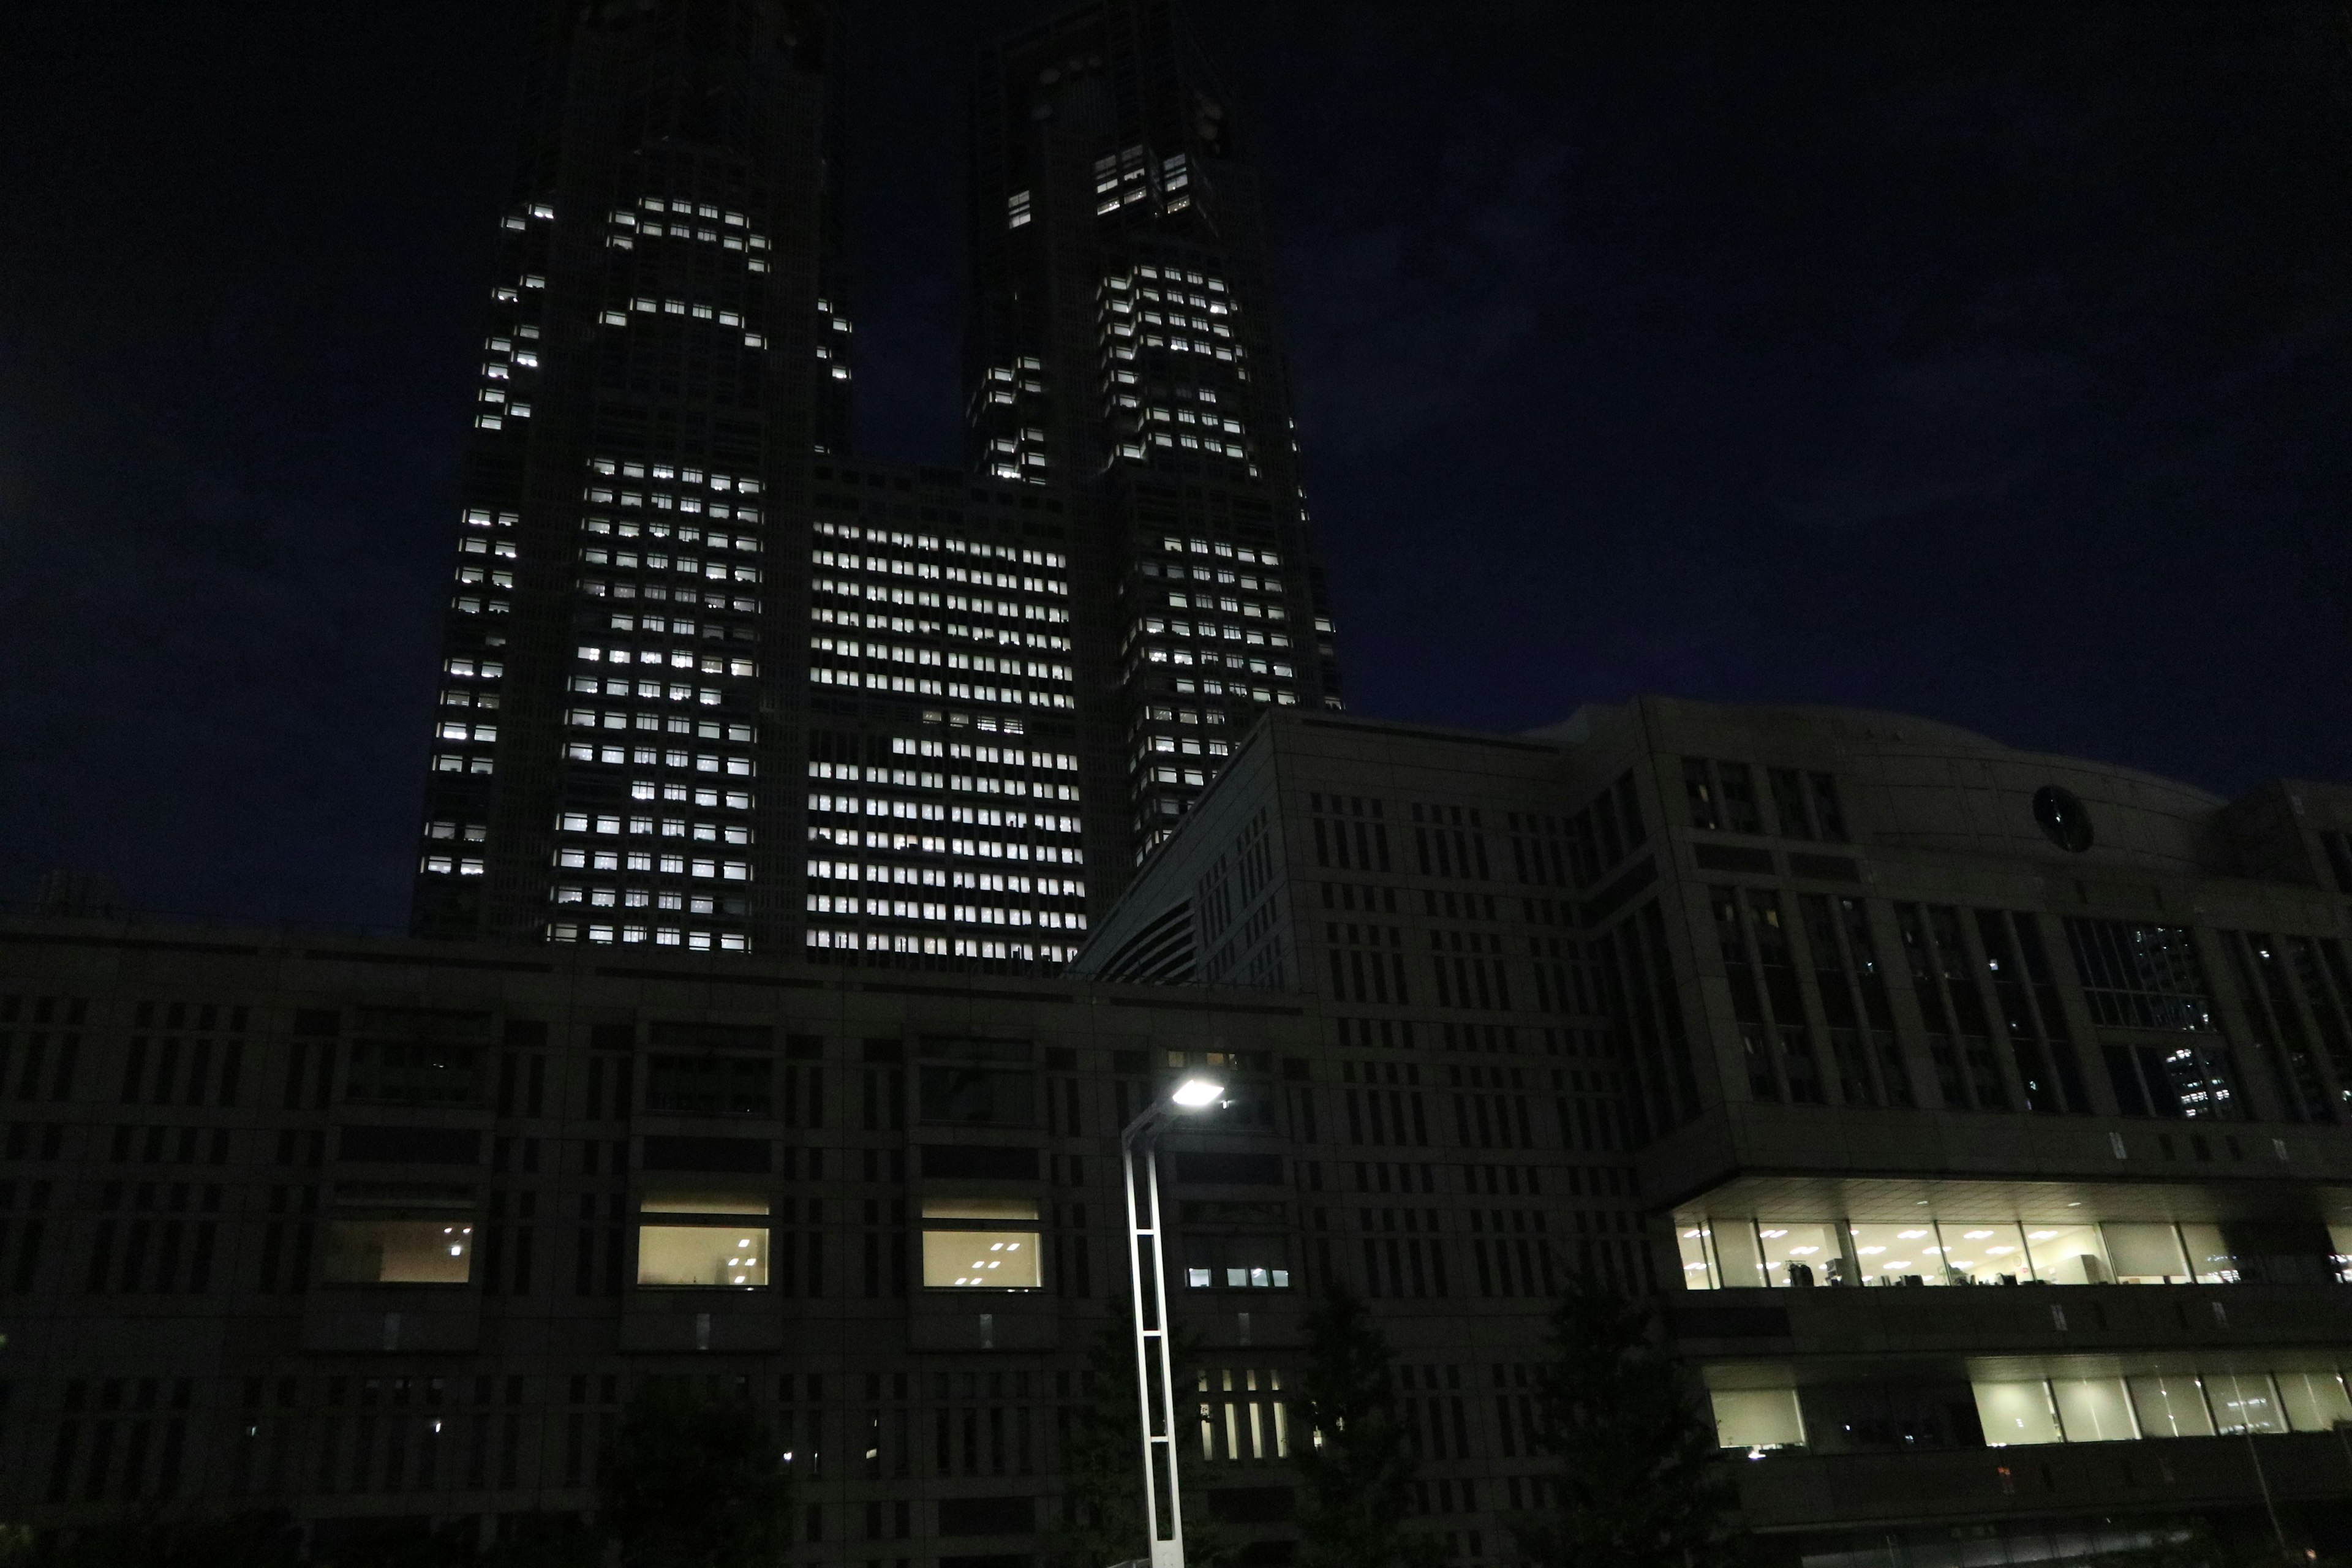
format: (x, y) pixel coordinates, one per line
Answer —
(712, 682)
(1122, 351)
(663, 359)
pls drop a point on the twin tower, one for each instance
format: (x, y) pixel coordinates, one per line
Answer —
(710, 681)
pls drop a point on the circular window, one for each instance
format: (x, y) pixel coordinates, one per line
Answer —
(2063, 817)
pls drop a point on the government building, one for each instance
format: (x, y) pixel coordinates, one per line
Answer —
(1973, 1117)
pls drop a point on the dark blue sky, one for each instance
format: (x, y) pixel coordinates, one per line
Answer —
(1993, 363)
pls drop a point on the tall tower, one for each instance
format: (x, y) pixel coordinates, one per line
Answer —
(708, 682)
(663, 363)
(1122, 352)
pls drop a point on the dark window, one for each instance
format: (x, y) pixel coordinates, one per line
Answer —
(1699, 785)
(400, 1072)
(978, 1083)
(2141, 976)
(1740, 813)
(1829, 816)
(1788, 802)
(709, 1084)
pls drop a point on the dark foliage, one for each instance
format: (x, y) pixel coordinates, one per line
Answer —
(1356, 1461)
(691, 1482)
(1640, 1484)
(1103, 1462)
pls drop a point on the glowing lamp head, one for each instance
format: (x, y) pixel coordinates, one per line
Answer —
(1198, 1093)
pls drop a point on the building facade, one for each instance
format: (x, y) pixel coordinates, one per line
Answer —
(385, 1234)
(1995, 1100)
(1974, 1116)
(657, 616)
(665, 359)
(1122, 347)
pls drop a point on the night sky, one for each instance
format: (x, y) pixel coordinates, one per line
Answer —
(1984, 362)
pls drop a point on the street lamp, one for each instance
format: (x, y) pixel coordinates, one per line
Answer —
(1148, 1258)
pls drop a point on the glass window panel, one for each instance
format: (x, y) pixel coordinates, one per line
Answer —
(979, 1208)
(1988, 1252)
(2210, 1259)
(1757, 1418)
(702, 1254)
(2244, 1402)
(2068, 1254)
(2094, 1409)
(1696, 1274)
(398, 1251)
(2016, 1413)
(2145, 1254)
(705, 1202)
(985, 1260)
(2169, 1406)
(1737, 1263)
(977, 1095)
(1800, 1253)
(1898, 1254)
(2313, 1401)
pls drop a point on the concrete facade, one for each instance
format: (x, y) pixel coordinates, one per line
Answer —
(1858, 1007)
(1994, 1191)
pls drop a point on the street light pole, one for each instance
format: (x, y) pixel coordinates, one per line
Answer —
(1147, 1258)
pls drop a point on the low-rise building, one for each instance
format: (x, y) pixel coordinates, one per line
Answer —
(1972, 1115)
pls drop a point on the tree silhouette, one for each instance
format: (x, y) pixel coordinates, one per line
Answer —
(1102, 1468)
(1640, 1484)
(1355, 1460)
(691, 1482)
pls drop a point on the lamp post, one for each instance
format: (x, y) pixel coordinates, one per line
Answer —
(1154, 1380)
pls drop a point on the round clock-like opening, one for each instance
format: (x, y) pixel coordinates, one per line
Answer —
(2065, 819)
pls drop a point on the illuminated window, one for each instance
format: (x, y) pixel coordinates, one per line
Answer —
(989, 1244)
(1757, 1419)
(396, 1235)
(703, 1238)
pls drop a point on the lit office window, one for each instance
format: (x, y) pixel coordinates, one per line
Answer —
(703, 1238)
(990, 1244)
(399, 1234)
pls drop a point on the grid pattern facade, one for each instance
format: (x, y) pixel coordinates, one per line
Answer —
(1122, 351)
(665, 356)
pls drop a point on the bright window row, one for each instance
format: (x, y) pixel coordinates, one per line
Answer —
(659, 936)
(938, 946)
(930, 811)
(704, 795)
(927, 844)
(704, 729)
(1734, 1254)
(669, 900)
(717, 571)
(611, 468)
(1007, 756)
(598, 588)
(2299, 1392)
(643, 861)
(923, 686)
(649, 690)
(1153, 625)
(669, 827)
(648, 756)
(938, 876)
(676, 659)
(1019, 554)
(897, 566)
(961, 914)
(902, 653)
(907, 779)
